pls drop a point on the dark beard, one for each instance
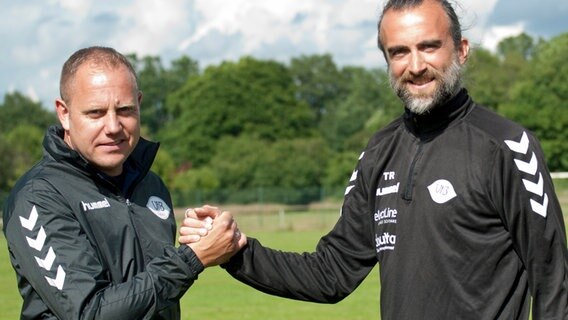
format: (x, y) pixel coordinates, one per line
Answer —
(448, 83)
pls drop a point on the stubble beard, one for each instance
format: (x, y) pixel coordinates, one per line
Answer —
(448, 82)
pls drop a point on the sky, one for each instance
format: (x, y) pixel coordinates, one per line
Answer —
(39, 35)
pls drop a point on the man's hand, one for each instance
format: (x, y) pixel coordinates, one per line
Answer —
(213, 235)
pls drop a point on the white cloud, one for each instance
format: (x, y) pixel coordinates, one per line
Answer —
(150, 26)
(495, 34)
(39, 35)
(77, 8)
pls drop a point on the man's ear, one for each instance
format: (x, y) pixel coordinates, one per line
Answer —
(62, 111)
(463, 52)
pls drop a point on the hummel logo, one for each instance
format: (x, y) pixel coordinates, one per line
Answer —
(530, 168)
(38, 244)
(95, 205)
(388, 190)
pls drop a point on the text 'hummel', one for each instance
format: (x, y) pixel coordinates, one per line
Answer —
(95, 205)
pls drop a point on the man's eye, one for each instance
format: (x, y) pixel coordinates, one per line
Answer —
(126, 110)
(431, 48)
(95, 113)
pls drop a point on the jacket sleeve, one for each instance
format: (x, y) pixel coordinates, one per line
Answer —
(341, 261)
(524, 193)
(51, 252)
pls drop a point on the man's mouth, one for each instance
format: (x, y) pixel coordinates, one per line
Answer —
(421, 82)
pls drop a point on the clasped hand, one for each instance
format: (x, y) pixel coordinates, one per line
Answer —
(212, 234)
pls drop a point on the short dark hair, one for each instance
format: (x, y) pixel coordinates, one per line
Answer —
(97, 55)
(455, 26)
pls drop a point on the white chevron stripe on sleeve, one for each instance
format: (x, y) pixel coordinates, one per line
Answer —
(528, 167)
(536, 188)
(39, 241)
(30, 222)
(353, 176)
(521, 146)
(540, 208)
(48, 261)
(59, 279)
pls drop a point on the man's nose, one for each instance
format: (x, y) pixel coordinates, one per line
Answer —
(417, 64)
(112, 123)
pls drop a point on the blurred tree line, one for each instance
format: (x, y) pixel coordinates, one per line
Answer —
(261, 123)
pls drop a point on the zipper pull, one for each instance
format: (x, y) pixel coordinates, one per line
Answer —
(128, 202)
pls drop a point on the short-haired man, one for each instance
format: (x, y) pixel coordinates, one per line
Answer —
(90, 228)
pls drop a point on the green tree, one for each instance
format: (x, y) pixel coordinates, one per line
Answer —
(484, 84)
(522, 45)
(250, 97)
(238, 160)
(156, 82)
(318, 81)
(164, 166)
(366, 96)
(18, 110)
(339, 169)
(7, 164)
(296, 163)
(26, 144)
(246, 163)
(538, 100)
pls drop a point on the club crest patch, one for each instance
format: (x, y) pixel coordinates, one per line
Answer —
(442, 191)
(158, 207)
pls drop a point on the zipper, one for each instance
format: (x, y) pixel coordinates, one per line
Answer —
(407, 195)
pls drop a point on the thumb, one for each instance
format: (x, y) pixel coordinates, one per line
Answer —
(242, 241)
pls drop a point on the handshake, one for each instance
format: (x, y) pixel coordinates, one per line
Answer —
(213, 235)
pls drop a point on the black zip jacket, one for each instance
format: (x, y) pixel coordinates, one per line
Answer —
(459, 210)
(84, 249)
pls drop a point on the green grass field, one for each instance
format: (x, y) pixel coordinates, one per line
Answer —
(217, 296)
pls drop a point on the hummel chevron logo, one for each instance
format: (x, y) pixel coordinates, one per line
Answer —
(38, 242)
(528, 167)
(30, 222)
(519, 147)
(536, 188)
(59, 279)
(48, 261)
(353, 176)
(540, 208)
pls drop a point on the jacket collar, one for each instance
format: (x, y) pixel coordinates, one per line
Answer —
(140, 160)
(440, 117)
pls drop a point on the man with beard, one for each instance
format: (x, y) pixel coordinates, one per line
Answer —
(453, 201)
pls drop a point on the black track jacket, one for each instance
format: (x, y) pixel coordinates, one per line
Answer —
(82, 249)
(458, 209)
